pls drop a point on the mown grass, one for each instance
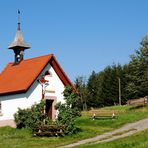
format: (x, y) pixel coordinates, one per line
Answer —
(138, 140)
(15, 138)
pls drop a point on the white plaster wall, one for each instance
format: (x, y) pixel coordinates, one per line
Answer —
(55, 84)
(11, 103)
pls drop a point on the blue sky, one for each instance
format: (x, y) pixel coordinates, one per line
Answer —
(84, 35)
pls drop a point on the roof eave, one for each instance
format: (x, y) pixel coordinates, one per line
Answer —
(16, 46)
(13, 92)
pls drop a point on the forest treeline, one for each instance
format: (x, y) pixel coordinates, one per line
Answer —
(103, 88)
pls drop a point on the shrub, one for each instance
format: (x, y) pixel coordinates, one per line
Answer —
(68, 112)
(31, 117)
(36, 119)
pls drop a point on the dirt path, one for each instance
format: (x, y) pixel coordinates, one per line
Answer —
(124, 131)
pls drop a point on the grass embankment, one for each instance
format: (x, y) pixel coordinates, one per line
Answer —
(10, 137)
(138, 140)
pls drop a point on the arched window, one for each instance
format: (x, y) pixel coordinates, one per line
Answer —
(48, 73)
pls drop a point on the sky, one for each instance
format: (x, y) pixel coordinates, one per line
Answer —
(84, 35)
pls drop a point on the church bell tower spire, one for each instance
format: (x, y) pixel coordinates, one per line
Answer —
(18, 45)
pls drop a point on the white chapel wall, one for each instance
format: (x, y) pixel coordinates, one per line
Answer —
(11, 103)
(55, 87)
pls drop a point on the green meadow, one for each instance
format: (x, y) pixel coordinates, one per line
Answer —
(16, 138)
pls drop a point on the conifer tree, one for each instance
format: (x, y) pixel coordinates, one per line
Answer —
(138, 71)
(81, 86)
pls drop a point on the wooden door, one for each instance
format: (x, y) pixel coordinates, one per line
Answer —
(49, 108)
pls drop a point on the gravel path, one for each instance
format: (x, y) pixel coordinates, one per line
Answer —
(124, 131)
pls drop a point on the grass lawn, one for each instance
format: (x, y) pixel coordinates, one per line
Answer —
(138, 140)
(15, 138)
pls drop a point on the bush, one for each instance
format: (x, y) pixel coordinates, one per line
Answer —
(35, 119)
(31, 117)
(68, 112)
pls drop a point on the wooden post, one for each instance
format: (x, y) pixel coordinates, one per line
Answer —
(119, 81)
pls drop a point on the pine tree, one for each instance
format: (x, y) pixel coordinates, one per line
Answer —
(81, 86)
(93, 87)
(138, 71)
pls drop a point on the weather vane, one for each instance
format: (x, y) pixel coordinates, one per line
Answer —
(18, 19)
(18, 16)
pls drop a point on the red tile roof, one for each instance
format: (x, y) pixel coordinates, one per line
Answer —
(18, 78)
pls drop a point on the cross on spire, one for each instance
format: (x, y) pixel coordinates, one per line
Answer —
(19, 20)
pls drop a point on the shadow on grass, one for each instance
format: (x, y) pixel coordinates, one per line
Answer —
(136, 107)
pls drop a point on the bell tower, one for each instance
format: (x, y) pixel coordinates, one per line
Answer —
(18, 45)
